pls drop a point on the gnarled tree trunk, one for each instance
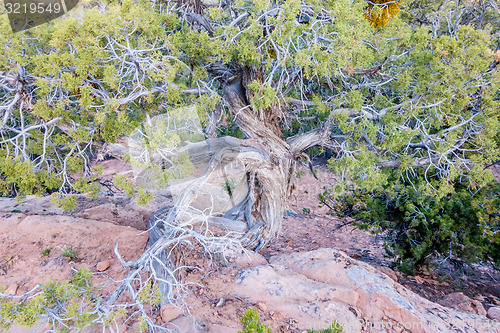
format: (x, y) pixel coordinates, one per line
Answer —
(269, 162)
(270, 172)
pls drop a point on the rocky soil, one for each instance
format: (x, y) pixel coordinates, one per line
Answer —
(319, 270)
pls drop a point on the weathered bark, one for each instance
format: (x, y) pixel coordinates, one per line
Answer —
(269, 162)
(269, 184)
(268, 159)
(270, 173)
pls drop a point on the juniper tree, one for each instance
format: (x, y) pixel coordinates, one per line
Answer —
(385, 93)
(418, 92)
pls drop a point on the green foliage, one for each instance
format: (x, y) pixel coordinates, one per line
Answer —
(440, 64)
(69, 54)
(46, 252)
(251, 323)
(264, 95)
(419, 88)
(462, 223)
(144, 197)
(230, 130)
(69, 253)
(125, 184)
(81, 278)
(162, 137)
(88, 186)
(150, 294)
(72, 301)
(18, 178)
(66, 203)
(230, 185)
(143, 325)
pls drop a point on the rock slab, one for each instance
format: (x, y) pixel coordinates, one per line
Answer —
(318, 287)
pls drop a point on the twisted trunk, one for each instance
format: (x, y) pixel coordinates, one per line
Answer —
(270, 171)
(269, 162)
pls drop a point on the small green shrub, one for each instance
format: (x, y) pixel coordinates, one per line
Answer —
(230, 185)
(46, 252)
(144, 197)
(251, 323)
(421, 224)
(65, 203)
(70, 253)
(72, 302)
(124, 184)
